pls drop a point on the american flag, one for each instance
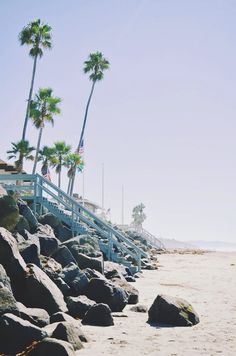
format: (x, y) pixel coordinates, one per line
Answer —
(81, 149)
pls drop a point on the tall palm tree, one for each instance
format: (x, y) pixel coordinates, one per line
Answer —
(61, 150)
(42, 109)
(37, 35)
(95, 66)
(22, 150)
(73, 161)
(48, 158)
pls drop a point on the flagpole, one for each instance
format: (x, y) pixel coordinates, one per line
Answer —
(103, 187)
(122, 206)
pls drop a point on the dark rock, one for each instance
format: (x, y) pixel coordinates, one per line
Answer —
(4, 279)
(102, 291)
(55, 318)
(99, 315)
(16, 334)
(42, 292)
(9, 213)
(22, 225)
(48, 242)
(28, 214)
(131, 291)
(130, 279)
(8, 303)
(30, 253)
(63, 233)
(173, 311)
(114, 270)
(92, 273)
(12, 261)
(139, 308)
(52, 347)
(79, 283)
(70, 272)
(49, 219)
(63, 256)
(68, 332)
(84, 261)
(36, 316)
(78, 306)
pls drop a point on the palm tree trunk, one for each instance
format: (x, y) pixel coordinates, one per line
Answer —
(37, 150)
(29, 98)
(69, 183)
(82, 134)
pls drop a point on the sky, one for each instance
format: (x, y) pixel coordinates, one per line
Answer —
(162, 122)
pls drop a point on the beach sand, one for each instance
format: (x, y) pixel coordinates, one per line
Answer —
(207, 281)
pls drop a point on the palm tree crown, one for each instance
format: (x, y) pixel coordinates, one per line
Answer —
(96, 64)
(47, 156)
(61, 150)
(37, 35)
(42, 110)
(24, 150)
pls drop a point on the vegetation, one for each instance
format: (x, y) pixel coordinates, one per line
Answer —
(94, 66)
(22, 150)
(61, 150)
(42, 110)
(38, 36)
(44, 107)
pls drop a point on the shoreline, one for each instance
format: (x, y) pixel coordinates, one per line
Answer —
(204, 281)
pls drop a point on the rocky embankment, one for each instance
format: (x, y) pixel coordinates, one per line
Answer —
(51, 284)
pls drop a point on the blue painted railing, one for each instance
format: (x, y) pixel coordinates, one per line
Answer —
(41, 191)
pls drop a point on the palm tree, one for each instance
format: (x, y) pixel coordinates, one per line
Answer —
(47, 156)
(42, 110)
(95, 66)
(38, 36)
(22, 150)
(61, 150)
(73, 161)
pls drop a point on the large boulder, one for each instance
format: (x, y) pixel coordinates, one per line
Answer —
(84, 261)
(28, 214)
(173, 311)
(99, 315)
(131, 291)
(30, 249)
(48, 242)
(102, 291)
(12, 261)
(16, 334)
(9, 212)
(69, 332)
(55, 318)
(114, 270)
(78, 306)
(22, 225)
(63, 256)
(41, 292)
(54, 347)
(36, 316)
(4, 279)
(8, 303)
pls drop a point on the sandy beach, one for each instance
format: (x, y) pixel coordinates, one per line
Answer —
(207, 281)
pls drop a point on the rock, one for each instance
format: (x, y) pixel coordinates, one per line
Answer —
(28, 214)
(102, 291)
(54, 347)
(70, 272)
(63, 233)
(36, 316)
(173, 311)
(30, 252)
(139, 308)
(63, 256)
(9, 213)
(55, 318)
(12, 261)
(48, 242)
(92, 273)
(16, 334)
(79, 283)
(84, 261)
(114, 270)
(4, 279)
(69, 332)
(49, 219)
(130, 279)
(22, 225)
(41, 292)
(83, 240)
(99, 315)
(132, 292)
(78, 306)
(8, 303)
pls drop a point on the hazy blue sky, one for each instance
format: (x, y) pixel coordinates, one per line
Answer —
(162, 121)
